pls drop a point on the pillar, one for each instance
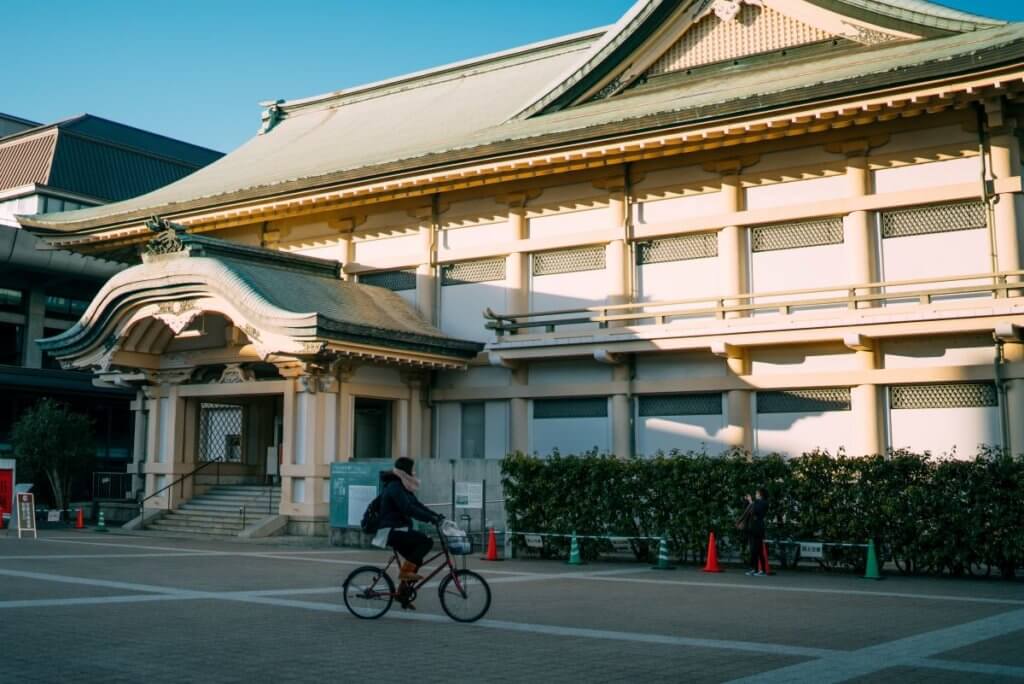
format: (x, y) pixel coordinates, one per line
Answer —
(733, 247)
(518, 415)
(617, 264)
(622, 415)
(517, 266)
(1013, 352)
(858, 229)
(739, 419)
(1006, 163)
(426, 271)
(866, 403)
(35, 315)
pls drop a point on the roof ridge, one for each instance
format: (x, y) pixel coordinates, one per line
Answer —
(427, 76)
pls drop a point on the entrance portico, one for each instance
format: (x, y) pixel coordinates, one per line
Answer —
(250, 356)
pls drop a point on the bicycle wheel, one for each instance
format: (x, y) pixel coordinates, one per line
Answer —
(369, 592)
(466, 600)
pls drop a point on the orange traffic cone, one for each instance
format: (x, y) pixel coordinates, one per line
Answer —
(764, 554)
(79, 520)
(712, 564)
(492, 547)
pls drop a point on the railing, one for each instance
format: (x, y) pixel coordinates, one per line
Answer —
(170, 488)
(858, 296)
(111, 486)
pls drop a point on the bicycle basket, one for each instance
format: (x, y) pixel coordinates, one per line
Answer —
(459, 545)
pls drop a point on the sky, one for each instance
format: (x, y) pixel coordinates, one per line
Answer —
(197, 69)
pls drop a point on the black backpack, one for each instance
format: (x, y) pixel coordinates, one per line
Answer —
(371, 517)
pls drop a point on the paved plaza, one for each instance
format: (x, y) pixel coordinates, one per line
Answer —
(83, 607)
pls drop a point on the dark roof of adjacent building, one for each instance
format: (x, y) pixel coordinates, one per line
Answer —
(520, 100)
(97, 159)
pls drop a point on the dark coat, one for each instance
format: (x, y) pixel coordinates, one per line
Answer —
(758, 511)
(399, 507)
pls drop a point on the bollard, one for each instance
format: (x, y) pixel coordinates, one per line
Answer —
(663, 561)
(574, 551)
(101, 524)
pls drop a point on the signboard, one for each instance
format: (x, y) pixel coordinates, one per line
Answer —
(469, 495)
(810, 550)
(6, 492)
(354, 484)
(534, 541)
(52, 515)
(26, 513)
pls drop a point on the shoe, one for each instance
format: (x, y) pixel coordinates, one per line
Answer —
(407, 573)
(750, 573)
(758, 574)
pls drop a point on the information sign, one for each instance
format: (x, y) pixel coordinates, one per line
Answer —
(810, 550)
(26, 514)
(534, 541)
(354, 484)
(6, 492)
(52, 515)
(469, 495)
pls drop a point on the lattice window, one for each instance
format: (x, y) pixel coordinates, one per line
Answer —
(827, 231)
(754, 30)
(804, 400)
(466, 272)
(391, 280)
(595, 407)
(568, 261)
(936, 218)
(949, 395)
(709, 404)
(698, 246)
(220, 432)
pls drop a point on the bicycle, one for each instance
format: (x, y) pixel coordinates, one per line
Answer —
(465, 596)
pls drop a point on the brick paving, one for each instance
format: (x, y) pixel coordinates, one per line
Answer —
(82, 607)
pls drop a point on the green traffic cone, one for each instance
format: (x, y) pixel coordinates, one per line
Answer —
(871, 570)
(574, 551)
(663, 562)
(101, 525)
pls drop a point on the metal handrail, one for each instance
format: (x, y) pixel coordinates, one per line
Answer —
(142, 507)
(999, 283)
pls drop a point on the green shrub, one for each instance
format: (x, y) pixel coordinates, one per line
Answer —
(925, 514)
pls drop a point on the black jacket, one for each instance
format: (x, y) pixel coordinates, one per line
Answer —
(399, 506)
(758, 511)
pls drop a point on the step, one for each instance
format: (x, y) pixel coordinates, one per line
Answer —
(187, 526)
(197, 531)
(230, 508)
(237, 496)
(201, 516)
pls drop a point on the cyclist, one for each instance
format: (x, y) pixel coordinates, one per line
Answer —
(398, 507)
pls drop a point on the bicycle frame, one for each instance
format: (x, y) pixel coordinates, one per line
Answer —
(448, 564)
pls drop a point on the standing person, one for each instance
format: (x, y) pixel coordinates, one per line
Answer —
(398, 508)
(758, 508)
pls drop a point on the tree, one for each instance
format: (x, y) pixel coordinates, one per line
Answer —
(52, 439)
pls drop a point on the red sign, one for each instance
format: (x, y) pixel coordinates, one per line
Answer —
(6, 489)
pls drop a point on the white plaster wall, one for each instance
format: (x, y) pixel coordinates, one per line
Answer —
(685, 433)
(945, 431)
(569, 372)
(388, 249)
(796, 269)
(687, 279)
(797, 192)
(568, 223)
(935, 255)
(792, 434)
(975, 350)
(335, 252)
(567, 291)
(654, 181)
(23, 205)
(818, 359)
(674, 366)
(298, 489)
(381, 375)
(474, 236)
(931, 174)
(677, 208)
(496, 437)
(462, 308)
(570, 435)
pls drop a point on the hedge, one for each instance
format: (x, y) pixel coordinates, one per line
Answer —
(925, 514)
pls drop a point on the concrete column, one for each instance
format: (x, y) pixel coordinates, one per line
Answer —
(1014, 412)
(858, 230)
(31, 354)
(518, 414)
(622, 416)
(416, 424)
(347, 254)
(733, 246)
(1005, 155)
(617, 270)
(739, 431)
(400, 434)
(517, 267)
(867, 406)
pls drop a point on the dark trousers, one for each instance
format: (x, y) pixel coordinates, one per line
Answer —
(411, 545)
(757, 559)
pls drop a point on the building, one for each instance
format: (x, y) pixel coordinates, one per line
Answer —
(76, 163)
(776, 225)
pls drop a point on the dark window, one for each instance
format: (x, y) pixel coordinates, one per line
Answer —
(473, 430)
(11, 341)
(65, 307)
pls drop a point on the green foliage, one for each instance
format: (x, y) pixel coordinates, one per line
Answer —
(52, 440)
(926, 514)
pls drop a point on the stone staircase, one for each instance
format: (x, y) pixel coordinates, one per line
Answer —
(217, 512)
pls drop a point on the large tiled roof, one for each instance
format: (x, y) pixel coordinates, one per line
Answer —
(469, 111)
(96, 158)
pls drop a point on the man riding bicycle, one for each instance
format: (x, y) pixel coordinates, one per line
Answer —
(398, 508)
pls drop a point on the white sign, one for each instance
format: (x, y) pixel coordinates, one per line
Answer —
(52, 516)
(534, 541)
(469, 495)
(810, 550)
(359, 497)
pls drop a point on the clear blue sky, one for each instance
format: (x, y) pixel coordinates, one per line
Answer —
(196, 69)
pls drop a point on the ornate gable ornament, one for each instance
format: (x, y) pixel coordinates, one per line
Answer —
(168, 237)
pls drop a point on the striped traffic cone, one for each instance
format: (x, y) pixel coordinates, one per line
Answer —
(574, 551)
(101, 524)
(663, 562)
(871, 570)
